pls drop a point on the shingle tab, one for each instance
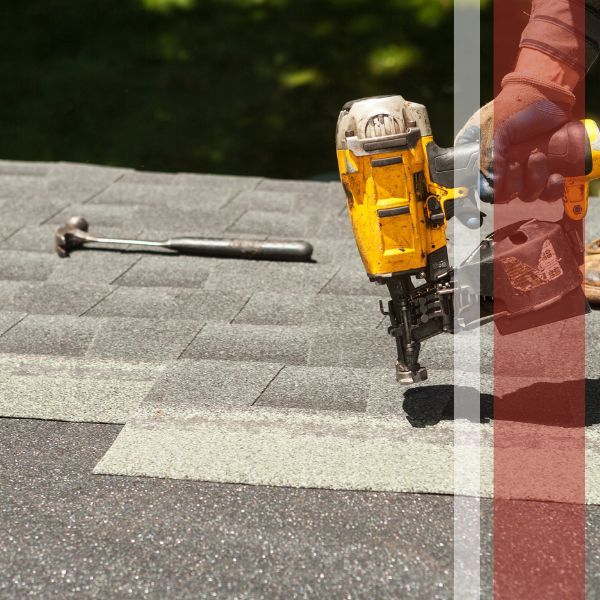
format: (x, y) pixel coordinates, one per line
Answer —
(296, 309)
(169, 271)
(359, 348)
(9, 319)
(59, 335)
(350, 281)
(176, 197)
(86, 266)
(276, 224)
(135, 340)
(210, 383)
(252, 276)
(170, 303)
(261, 343)
(218, 182)
(50, 298)
(142, 339)
(26, 266)
(318, 388)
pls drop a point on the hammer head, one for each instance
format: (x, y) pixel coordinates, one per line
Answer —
(71, 235)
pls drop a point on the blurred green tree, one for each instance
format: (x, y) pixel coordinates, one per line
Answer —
(223, 86)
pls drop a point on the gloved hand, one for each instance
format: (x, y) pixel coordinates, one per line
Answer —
(525, 109)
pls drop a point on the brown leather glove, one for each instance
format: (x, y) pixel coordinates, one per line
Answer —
(525, 109)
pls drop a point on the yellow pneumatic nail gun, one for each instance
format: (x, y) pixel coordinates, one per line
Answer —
(400, 188)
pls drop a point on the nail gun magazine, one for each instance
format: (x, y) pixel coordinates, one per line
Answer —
(401, 192)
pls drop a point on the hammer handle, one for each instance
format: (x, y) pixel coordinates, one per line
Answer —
(296, 251)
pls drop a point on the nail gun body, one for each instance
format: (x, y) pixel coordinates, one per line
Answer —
(400, 189)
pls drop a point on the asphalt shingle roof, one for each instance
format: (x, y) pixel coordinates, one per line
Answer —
(302, 344)
(163, 343)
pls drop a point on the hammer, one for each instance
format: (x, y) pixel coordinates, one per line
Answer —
(74, 234)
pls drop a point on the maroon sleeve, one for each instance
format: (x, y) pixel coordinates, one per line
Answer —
(568, 30)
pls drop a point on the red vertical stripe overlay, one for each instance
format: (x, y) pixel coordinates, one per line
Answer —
(539, 399)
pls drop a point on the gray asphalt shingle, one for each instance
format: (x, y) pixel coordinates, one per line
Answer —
(182, 338)
(297, 309)
(210, 383)
(262, 343)
(170, 303)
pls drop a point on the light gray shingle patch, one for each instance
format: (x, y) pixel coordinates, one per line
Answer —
(260, 343)
(73, 389)
(177, 197)
(141, 339)
(170, 303)
(26, 266)
(294, 309)
(50, 299)
(189, 384)
(318, 388)
(288, 448)
(87, 266)
(58, 335)
(169, 271)
(9, 319)
(202, 220)
(276, 224)
(263, 276)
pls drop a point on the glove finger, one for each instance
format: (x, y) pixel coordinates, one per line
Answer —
(513, 185)
(536, 176)
(542, 117)
(555, 188)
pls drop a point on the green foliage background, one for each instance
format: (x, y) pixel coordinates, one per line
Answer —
(223, 86)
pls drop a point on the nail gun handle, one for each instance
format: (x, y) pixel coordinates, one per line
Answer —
(572, 151)
(454, 167)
